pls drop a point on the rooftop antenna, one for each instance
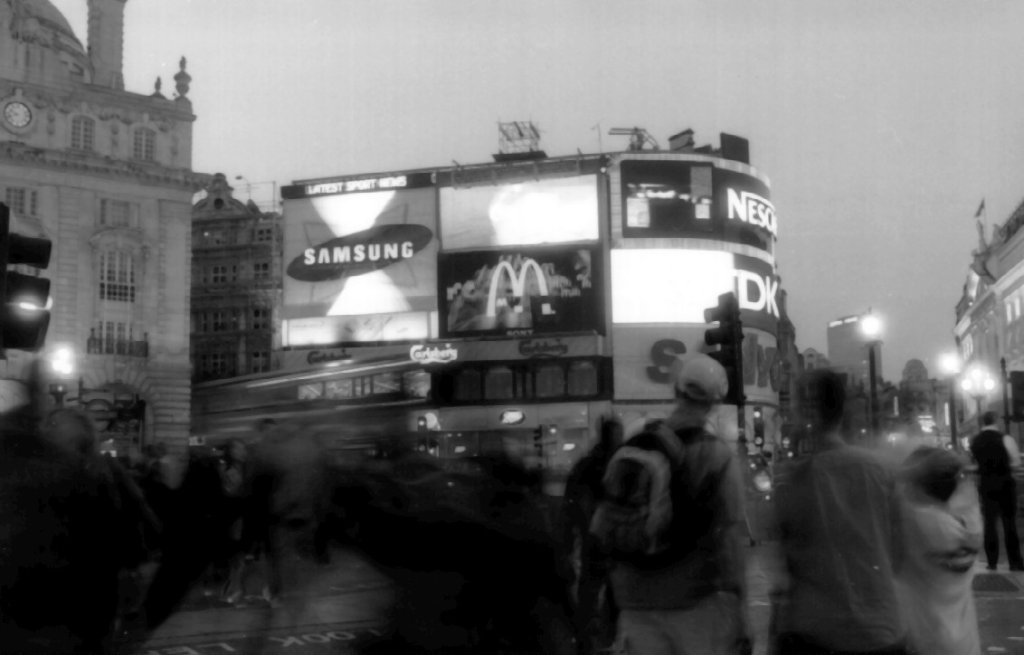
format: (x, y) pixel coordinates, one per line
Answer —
(519, 140)
(638, 137)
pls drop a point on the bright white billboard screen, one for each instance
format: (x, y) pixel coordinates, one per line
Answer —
(558, 210)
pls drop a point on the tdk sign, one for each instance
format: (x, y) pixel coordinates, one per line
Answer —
(751, 208)
(758, 293)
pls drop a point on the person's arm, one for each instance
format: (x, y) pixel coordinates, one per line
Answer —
(1013, 451)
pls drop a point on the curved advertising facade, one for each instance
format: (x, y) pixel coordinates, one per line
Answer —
(685, 229)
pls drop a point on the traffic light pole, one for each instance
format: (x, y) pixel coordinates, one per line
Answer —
(1006, 395)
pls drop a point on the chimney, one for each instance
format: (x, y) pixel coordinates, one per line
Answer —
(106, 42)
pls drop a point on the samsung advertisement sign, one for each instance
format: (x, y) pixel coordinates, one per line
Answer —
(360, 264)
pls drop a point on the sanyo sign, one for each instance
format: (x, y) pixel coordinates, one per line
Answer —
(751, 208)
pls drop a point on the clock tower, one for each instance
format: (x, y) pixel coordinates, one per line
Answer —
(106, 174)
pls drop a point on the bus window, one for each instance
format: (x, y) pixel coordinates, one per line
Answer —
(550, 381)
(467, 384)
(582, 379)
(416, 383)
(498, 384)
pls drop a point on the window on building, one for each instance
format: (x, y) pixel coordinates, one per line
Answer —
(264, 234)
(116, 337)
(115, 213)
(499, 383)
(550, 381)
(144, 144)
(220, 321)
(260, 318)
(582, 379)
(261, 270)
(260, 361)
(83, 130)
(219, 275)
(216, 365)
(467, 384)
(117, 276)
(21, 200)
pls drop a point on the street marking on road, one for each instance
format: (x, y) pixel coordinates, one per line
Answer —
(996, 649)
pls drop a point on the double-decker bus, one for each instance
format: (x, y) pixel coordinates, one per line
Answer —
(352, 407)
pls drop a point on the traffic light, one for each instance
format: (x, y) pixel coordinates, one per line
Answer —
(758, 427)
(728, 336)
(538, 440)
(24, 318)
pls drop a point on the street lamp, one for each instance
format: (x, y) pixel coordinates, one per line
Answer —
(62, 363)
(950, 365)
(871, 327)
(977, 383)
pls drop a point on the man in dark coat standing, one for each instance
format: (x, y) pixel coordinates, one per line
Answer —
(998, 492)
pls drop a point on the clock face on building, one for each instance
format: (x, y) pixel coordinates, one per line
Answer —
(17, 114)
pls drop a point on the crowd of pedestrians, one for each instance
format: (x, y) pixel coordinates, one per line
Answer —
(646, 556)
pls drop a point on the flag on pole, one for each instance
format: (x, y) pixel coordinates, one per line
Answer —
(981, 209)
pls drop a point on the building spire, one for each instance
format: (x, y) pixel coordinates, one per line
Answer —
(182, 80)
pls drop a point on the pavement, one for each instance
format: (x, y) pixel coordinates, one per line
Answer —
(346, 605)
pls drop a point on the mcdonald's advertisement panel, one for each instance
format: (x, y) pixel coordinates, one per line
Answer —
(360, 267)
(520, 292)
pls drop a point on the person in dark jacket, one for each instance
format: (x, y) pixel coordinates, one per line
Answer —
(57, 589)
(594, 612)
(998, 492)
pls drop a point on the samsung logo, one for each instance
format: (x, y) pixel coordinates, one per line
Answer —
(359, 253)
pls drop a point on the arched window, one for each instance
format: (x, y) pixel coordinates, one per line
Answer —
(144, 145)
(83, 130)
(117, 276)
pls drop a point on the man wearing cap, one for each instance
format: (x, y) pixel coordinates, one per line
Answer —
(693, 600)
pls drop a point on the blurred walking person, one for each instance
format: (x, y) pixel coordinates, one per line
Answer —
(594, 612)
(289, 499)
(57, 583)
(235, 483)
(839, 519)
(942, 534)
(134, 528)
(998, 492)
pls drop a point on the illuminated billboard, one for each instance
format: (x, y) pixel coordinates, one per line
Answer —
(677, 285)
(688, 199)
(521, 291)
(360, 267)
(555, 210)
(644, 355)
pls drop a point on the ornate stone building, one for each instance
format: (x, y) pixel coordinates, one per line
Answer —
(236, 286)
(106, 175)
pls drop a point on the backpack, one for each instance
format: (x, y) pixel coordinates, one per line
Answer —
(650, 513)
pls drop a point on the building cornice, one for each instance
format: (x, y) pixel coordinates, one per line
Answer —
(142, 172)
(105, 103)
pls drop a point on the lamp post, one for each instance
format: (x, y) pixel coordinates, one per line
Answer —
(871, 327)
(62, 363)
(950, 365)
(977, 383)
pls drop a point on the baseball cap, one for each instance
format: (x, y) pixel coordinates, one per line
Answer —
(700, 378)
